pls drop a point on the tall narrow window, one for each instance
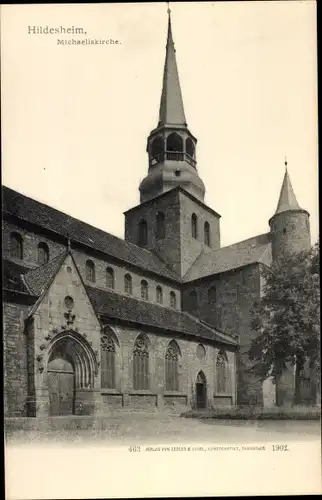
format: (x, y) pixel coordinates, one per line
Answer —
(207, 234)
(144, 290)
(194, 226)
(128, 284)
(171, 367)
(193, 302)
(143, 233)
(159, 295)
(110, 280)
(141, 363)
(16, 245)
(160, 229)
(90, 271)
(107, 362)
(222, 372)
(173, 300)
(43, 253)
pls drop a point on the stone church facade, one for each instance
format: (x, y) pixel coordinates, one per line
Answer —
(161, 319)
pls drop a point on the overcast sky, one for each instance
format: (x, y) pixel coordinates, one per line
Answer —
(75, 119)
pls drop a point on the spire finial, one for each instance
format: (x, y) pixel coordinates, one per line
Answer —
(69, 246)
(169, 10)
(285, 162)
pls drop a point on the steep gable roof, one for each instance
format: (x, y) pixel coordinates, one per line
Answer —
(27, 209)
(112, 305)
(256, 249)
(38, 279)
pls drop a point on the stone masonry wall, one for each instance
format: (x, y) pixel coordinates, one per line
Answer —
(236, 291)
(15, 360)
(189, 367)
(191, 247)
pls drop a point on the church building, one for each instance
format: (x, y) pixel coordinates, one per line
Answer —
(161, 319)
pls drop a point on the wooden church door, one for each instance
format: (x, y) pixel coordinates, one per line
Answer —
(61, 386)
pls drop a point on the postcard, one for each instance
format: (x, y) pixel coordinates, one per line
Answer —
(160, 249)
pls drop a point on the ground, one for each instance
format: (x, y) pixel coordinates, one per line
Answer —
(137, 428)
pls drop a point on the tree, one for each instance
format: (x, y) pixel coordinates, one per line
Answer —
(287, 318)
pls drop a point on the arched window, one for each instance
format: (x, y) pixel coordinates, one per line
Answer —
(90, 271)
(144, 290)
(174, 142)
(143, 233)
(43, 253)
(16, 246)
(194, 226)
(110, 283)
(160, 226)
(141, 363)
(190, 148)
(173, 300)
(128, 284)
(107, 362)
(157, 146)
(171, 367)
(212, 296)
(193, 302)
(159, 295)
(222, 372)
(207, 234)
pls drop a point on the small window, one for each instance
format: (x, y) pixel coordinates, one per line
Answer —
(212, 296)
(284, 230)
(128, 284)
(16, 246)
(90, 271)
(194, 226)
(207, 234)
(177, 173)
(144, 290)
(159, 295)
(193, 302)
(110, 283)
(43, 254)
(160, 229)
(143, 233)
(173, 300)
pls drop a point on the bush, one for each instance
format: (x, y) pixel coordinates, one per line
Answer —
(257, 413)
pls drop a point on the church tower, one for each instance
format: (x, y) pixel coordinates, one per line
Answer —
(172, 219)
(171, 147)
(290, 226)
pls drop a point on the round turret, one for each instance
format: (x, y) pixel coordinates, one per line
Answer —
(290, 225)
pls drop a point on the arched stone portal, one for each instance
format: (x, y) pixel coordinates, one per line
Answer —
(71, 368)
(201, 391)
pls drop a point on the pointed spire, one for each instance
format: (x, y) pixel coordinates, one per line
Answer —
(287, 199)
(171, 105)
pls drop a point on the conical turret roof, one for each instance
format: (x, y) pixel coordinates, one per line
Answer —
(287, 199)
(171, 105)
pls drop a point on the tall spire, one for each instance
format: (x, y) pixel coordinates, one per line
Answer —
(287, 199)
(171, 105)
